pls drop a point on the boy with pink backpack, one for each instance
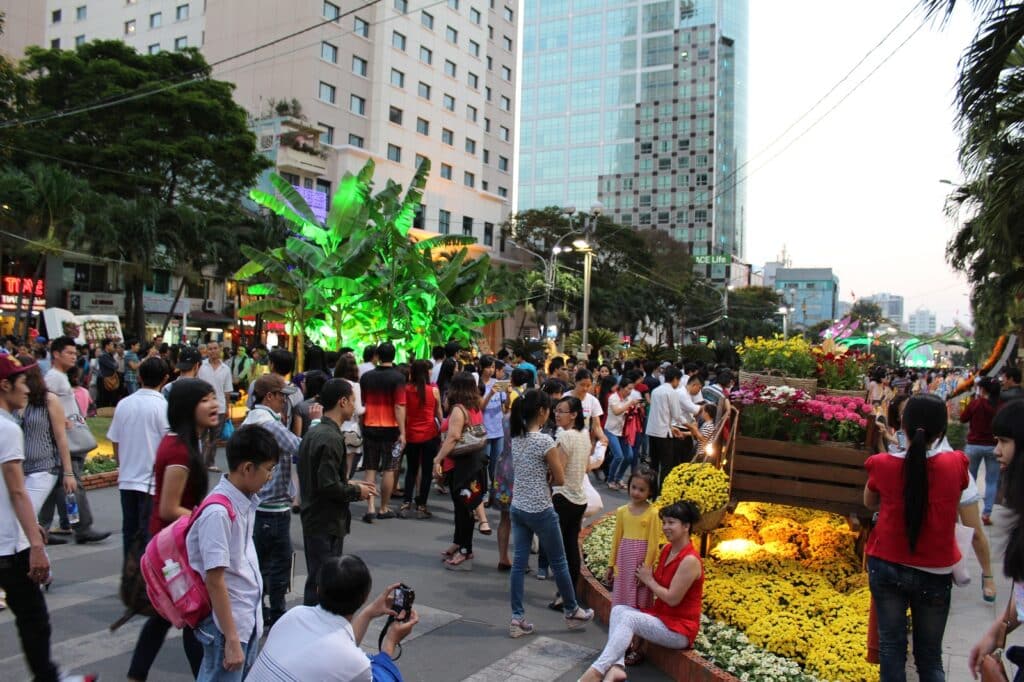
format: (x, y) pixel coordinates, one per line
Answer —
(213, 582)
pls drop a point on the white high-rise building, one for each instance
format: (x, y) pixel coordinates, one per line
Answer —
(921, 322)
(891, 305)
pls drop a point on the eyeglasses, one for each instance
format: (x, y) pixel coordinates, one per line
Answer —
(563, 412)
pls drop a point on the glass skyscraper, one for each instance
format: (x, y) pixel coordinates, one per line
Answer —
(643, 106)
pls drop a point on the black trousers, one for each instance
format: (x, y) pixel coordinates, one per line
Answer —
(25, 599)
(135, 510)
(464, 520)
(319, 548)
(56, 498)
(420, 460)
(667, 453)
(570, 519)
(151, 638)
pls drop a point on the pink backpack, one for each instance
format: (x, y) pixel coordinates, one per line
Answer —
(175, 589)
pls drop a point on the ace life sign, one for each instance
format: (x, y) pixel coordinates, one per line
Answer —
(712, 259)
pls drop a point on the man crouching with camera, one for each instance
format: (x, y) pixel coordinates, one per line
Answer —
(322, 642)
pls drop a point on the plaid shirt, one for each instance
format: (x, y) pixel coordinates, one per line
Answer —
(276, 495)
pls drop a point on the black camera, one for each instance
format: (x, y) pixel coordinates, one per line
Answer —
(403, 601)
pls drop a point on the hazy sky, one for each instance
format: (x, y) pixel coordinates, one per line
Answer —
(860, 192)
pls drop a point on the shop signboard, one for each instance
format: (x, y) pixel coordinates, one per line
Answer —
(95, 303)
(161, 303)
(12, 286)
(84, 329)
(713, 259)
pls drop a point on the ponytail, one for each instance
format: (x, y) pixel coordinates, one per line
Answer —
(526, 409)
(924, 422)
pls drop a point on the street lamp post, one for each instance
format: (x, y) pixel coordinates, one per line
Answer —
(589, 227)
(784, 311)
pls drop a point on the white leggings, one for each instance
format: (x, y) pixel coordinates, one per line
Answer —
(625, 622)
(39, 486)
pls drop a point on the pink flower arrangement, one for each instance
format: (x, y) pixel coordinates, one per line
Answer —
(786, 413)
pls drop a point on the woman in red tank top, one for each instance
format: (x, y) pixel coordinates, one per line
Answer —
(678, 588)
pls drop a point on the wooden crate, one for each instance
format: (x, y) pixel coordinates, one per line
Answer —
(826, 477)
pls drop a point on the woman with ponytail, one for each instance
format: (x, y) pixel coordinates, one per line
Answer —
(912, 549)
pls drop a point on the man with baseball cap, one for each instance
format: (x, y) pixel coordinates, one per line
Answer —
(187, 366)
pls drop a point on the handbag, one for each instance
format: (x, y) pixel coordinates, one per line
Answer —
(473, 439)
(112, 382)
(992, 667)
(80, 439)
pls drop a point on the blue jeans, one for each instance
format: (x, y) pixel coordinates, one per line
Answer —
(549, 534)
(895, 587)
(273, 542)
(623, 457)
(987, 453)
(212, 639)
(494, 448)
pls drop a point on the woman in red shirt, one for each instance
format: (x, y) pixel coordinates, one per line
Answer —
(981, 444)
(422, 437)
(181, 483)
(678, 588)
(912, 549)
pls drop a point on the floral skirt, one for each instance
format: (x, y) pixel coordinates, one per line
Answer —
(501, 487)
(626, 591)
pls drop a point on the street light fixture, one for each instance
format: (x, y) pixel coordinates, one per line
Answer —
(589, 227)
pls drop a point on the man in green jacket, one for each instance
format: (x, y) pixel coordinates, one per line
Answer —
(324, 486)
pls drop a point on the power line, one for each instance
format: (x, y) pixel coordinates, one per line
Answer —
(146, 92)
(79, 163)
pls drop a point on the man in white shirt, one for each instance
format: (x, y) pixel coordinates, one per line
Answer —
(138, 426)
(218, 375)
(369, 360)
(665, 411)
(322, 642)
(65, 355)
(23, 562)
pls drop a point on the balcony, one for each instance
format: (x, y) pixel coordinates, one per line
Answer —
(299, 150)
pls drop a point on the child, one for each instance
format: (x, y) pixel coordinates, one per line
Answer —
(222, 550)
(635, 542)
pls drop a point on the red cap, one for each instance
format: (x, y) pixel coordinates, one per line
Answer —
(9, 366)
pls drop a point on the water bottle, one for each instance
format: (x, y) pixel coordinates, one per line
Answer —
(177, 586)
(72, 505)
(396, 454)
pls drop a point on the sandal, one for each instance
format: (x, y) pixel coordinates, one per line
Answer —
(634, 657)
(450, 552)
(989, 598)
(460, 562)
(484, 531)
(556, 604)
(404, 510)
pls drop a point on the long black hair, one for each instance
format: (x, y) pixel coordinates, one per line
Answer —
(185, 396)
(573, 405)
(1009, 423)
(991, 387)
(526, 409)
(924, 422)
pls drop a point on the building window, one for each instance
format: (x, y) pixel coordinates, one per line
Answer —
(474, 15)
(488, 234)
(81, 13)
(331, 11)
(474, 48)
(426, 56)
(447, 136)
(468, 179)
(451, 35)
(355, 140)
(154, 48)
(394, 153)
(326, 133)
(444, 221)
(397, 78)
(446, 171)
(80, 40)
(506, 43)
(471, 112)
(402, 6)
(503, 193)
(454, 4)
(361, 27)
(449, 103)
(55, 45)
(328, 92)
(427, 19)
(490, 32)
(359, 66)
(180, 43)
(420, 160)
(507, 12)
(395, 115)
(470, 146)
(467, 226)
(398, 40)
(181, 12)
(487, 93)
(449, 68)
(55, 16)
(490, 63)
(505, 134)
(487, 125)
(422, 126)
(357, 105)
(503, 163)
(424, 90)
(473, 80)
(506, 103)
(156, 19)
(329, 53)
(129, 27)
(506, 73)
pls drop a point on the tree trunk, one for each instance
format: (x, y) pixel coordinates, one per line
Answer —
(174, 305)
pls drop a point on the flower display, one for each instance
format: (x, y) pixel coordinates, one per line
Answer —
(786, 413)
(793, 356)
(784, 593)
(705, 485)
(841, 369)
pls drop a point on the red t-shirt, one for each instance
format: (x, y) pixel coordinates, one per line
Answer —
(382, 388)
(419, 415)
(980, 414)
(476, 417)
(172, 451)
(684, 617)
(936, 543)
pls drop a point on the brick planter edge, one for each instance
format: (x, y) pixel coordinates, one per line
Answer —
(682, 666)
(104, 480)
